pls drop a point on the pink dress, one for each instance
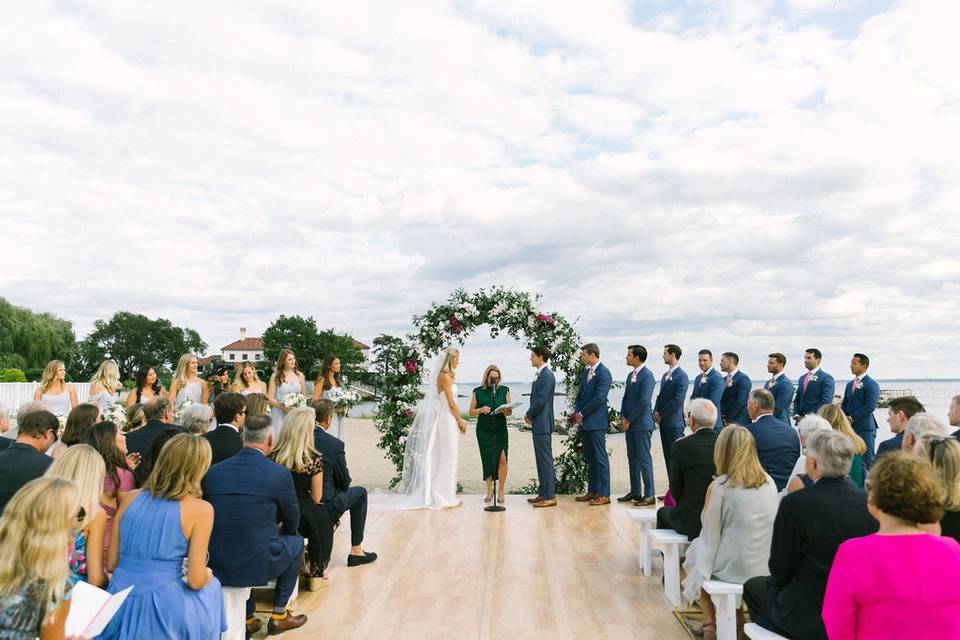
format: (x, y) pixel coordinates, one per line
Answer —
(897, 587)
(127, 483)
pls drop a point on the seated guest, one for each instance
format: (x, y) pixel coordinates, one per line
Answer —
(778, 444)
(919, 425)
(83, 466)
(807, 425)
(943, 452)
(24, 460)
(250, 495)
(119, 478)
(143, 470)
(738, 515)
(691, 471)
(35, 531)
(900, 582)
(135, 417)
(338, 496)
(4, 426)
(899, 412)
(197, 419)
(158, 415)
(157, 528)
(839, 422)
(26, 409)
(810, 525)
(258, 404)
(81, 417)
(225, 440)
(953, 415)
(296, 452)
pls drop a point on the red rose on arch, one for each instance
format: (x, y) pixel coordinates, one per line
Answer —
(410, 365)
(455, 325)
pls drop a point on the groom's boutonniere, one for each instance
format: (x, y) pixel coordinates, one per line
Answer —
(703, 379)
(729, 383)
(860, 385)
(667, 377)
(813, 378)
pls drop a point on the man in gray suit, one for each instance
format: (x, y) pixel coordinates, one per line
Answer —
(540, 417)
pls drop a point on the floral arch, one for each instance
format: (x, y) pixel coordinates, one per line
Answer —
(400, 362)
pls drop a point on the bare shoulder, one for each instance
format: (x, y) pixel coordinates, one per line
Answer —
(196, 507)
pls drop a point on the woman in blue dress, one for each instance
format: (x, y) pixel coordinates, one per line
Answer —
(159, 548)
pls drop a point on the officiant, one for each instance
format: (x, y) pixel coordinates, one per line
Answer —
(492, 428)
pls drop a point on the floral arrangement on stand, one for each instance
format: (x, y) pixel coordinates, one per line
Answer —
(401, 361)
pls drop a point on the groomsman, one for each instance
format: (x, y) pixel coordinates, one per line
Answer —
(814, 388)
(540, 418)
(709, 384)
(736, 388)
(636, 420)
(668, 410)
(860, 401)
(590, 412)
(780, 386)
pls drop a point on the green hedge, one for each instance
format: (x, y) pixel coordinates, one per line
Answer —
(12, 375)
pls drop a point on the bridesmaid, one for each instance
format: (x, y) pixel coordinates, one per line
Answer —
(54, 392)
(104, 385)
(328, 387)
(286, 380)
(186, 385)
(247, 381)
(492, 429)
(148, 387)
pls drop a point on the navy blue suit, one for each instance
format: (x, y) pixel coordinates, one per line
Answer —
(711, 389)
(778, 447)
(891, 445)
(818, 393)
(733, 403)
(543, 424)
(637, 410)
(338, 496)
(591, 404)
(859, 405)
(250, 494)
(673, 391)
(782, 391)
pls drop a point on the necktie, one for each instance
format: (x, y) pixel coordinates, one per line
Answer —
(589, 374)
(806, 380)
(726, 380)
(634, 378)
(772, 382)
(853, 387)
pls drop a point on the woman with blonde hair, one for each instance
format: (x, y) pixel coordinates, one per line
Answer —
(186, 384)
(492, 429)
(839, 422)
(286, 380)
(104, 385)
(943, 452)
(296, 452)
(82, 465)
(246, 380)
(156, 530)
(258, 404)
(54, 392)
(135, 417)
(35, 533)
(432, 450)
(738, 514)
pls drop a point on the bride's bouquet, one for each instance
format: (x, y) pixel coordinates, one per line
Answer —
(294, 401)
(117, 415)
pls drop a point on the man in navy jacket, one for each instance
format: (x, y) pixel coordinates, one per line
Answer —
(860, 399)
(542, 424)
(591, 413)
(250, 495)
(778, 445)
(814, 388)
(708, 383)
(736, 388)
(780, 386)
(636, 420)
(668, 410)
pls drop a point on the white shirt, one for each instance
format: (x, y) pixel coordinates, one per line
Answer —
(813, 372)
(732, 373)
(232, 426)
(776, 375)
(768, 413)
(541, 368)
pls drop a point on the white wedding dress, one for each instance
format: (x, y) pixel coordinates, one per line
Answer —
(431, 454)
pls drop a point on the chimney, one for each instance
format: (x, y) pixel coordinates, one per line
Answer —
(243, 333)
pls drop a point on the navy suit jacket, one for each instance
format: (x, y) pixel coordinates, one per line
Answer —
(336, 476)
(139, 440)
(891, 445)
(636, 407)
(670, 400)
(250, 494)
(778, 447)
(733, 403)
(712, 390)
(859, 405)
(541, 402)
(592, 399)
(819, 392)
(782, 398)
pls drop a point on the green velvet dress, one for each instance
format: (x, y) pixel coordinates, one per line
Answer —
(491, 429)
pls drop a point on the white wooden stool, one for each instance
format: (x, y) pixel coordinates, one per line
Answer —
(724, 596)
(235, 608)
(670, 543)
(647, 519)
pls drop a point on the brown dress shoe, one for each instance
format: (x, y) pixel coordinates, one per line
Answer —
(546, 502)
(587, 497)
(253, 625)
(534, 499)
(287, 623)
(645, 502)
(600, 500)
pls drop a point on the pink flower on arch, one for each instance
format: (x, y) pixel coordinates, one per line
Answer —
(543, 317)
(408, 413)
(455, 325)
(410, 365)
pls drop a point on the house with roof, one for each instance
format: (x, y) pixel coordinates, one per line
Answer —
(243, 350)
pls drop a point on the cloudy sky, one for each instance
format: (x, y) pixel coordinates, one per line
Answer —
(748, 176)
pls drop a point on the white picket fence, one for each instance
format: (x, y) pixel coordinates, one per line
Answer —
(14, 394)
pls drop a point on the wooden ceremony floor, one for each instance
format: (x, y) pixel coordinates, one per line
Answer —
(564, 572)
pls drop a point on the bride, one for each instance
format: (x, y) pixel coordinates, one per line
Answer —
(429, 479)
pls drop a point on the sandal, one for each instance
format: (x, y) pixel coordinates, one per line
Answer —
(709, 631)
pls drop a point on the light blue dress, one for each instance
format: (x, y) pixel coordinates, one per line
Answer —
(276, 416)
(336, 426)
(190, 391)
(104, 400)
(161, 605)
(59, 404)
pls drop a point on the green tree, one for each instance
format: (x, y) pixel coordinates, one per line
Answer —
(29, 340)
(134, 340)
(311, 346)
(344, 347)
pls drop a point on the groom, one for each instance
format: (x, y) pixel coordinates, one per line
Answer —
(540, 417)
(590, 412)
